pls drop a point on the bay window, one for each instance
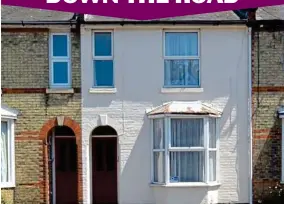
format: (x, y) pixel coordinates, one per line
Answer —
(185, 149)
(7, 149)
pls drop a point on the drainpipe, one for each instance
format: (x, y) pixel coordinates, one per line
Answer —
(250, 114)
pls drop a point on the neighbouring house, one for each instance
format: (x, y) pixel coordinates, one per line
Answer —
(41, 107)
(268, 101)
(165, 111)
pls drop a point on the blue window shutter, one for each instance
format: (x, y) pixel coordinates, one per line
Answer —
(60, 46)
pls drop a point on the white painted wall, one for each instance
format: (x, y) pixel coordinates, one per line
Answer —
(139, 79)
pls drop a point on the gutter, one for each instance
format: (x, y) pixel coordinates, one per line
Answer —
(248, 23)
(77, 19)
(250, 114)
(167, 22)
(23, 23)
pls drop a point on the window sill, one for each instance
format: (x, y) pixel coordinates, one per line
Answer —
(7, 185)
(59, 91)
(182, 90)
(186, 185)
(103, 90)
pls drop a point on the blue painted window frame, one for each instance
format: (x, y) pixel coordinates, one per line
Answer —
(189, 57)
(54, 59)
(105, 58)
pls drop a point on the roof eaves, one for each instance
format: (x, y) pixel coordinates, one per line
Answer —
(39, 22)
(168, 22)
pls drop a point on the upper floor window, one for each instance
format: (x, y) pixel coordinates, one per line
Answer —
(60, 62)
(103, 59)
(181, 59)
(184, 149)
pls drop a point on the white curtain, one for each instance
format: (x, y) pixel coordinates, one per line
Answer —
(187, 166)
(181, 44)
(4, 151)
(181, 72)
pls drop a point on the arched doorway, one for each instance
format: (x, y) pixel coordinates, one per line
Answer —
(63, 165)
(104, 165)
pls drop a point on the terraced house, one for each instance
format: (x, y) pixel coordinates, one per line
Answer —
(165, 110)
(41, 107)
(267, 102)
(185, 110)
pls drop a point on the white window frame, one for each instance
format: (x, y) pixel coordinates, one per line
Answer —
(59, 59)
(182, 57)
(102, 57)
(11, 154)
(167, 149)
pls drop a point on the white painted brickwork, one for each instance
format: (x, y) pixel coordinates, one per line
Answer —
(139, 79)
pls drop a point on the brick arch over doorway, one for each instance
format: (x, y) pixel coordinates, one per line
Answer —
(43, 135)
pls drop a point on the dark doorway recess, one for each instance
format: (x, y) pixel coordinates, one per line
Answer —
(104, 156)
(63, 166)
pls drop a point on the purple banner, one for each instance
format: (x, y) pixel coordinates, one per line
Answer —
(142, 9)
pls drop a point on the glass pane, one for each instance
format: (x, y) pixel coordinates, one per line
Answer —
(103, 72)
(181, 44)
(60, 45)
(212, 133)
(182, 72)
(103, 44)
(212, 166)
(4, 152)
(158, 125)
(159, 173)
(186, 166)
(60, 72)
(187, 133)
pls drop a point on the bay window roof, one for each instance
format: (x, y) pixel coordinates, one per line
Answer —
(9, 113)
(185, 108)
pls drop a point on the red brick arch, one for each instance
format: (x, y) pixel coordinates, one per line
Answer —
(43, 135)
(67, 122)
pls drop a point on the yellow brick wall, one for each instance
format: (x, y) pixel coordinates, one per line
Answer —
(25, 65)
(268, 96)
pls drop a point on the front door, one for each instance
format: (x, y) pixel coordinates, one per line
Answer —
(66, 170)
(104, 154)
